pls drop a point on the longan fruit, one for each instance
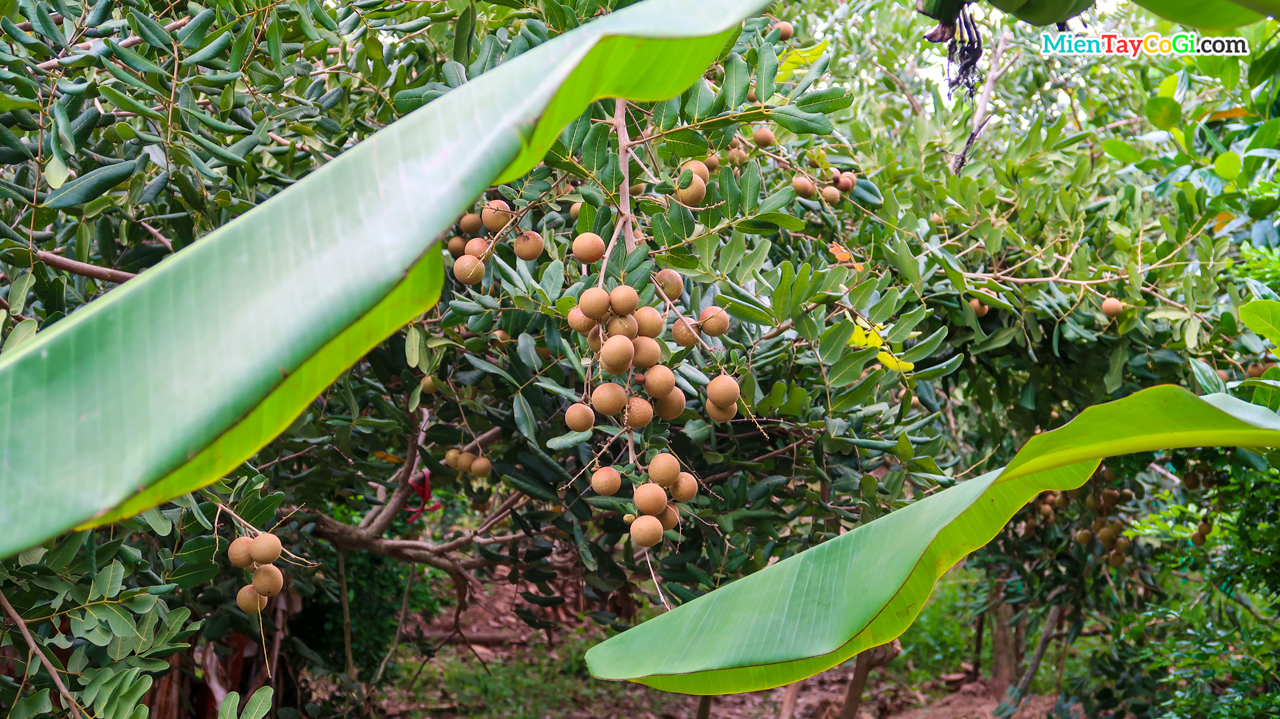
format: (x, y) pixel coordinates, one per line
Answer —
(639, 413)
(694, 194)
(1197, 539)
(1122, 545)
(470, 224)
(685, 489)
(786, 30)
(457, 247)
(1205, 528)
(625, 326)
(1116, 526)
(1116, 558)
(430, 385)
(636, 189)
(1224, 375)
(588, 248)
(684, 332)
(267, 580)
(737, 156)
(650, 499)
(624, 300)
(1191, 482)
(1084, 536)
(1107, 537)
(831, 194)
(714, 321)
(265, 548)
(1256, 370)
(721, 414)
(804, 187)
(671, 283)
(762, 137)
(1062, 501)
(646, 531)
(529, 246)
(451, 457)
(671, 406)
(616, 354)
(481, 467)
(649, 322)
(579, 417)
(594, 339)
(1098, 524)
(238, 553)
(664, 469)
(575, 209)
(712, 162)
(1111, 307)
(468, 270)
(670, 517)
(594, 303)
(476, 247)
(659, 381)
(979, 308)
(647, 352)
(606, 481)
(844, 183)
(250, 602)
(698, 168)
(465, 460)
(609, 398)
(579, 322)
(495, 215)
(724, 391)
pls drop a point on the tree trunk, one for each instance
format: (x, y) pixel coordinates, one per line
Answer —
(977, 646)
(789, 700)
(853, 697)
(1003, 653)
(1046, 634)
(704, 707)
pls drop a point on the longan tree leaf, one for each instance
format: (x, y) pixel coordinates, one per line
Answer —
(817, 609)
(129, 402)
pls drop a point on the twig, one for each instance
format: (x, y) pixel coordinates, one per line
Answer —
(83, 269)
(156, 234)
(404, 614)
(53, 673)
(346, 616)
(980, 118)
(127, 42)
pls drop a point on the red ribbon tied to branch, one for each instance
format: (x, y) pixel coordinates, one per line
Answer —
(422, 486)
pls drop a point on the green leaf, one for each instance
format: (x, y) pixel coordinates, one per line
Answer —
(834, 340)
(1163, 112)
(1209, 14)
(684, 143)
(89, 186)
(258, 705)
(20, 333)
(230, 704)
(817, 609)
(1263, 317)
(801, 122)
(566, 441)
(1122, 151)
(526, 421)
(355, 237)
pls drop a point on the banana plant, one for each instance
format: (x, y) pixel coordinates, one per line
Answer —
(1208, 14)
(818, 608)
(130, 402)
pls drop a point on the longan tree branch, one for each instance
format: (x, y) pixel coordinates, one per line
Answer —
(53, 673)
(379, 519)
(106, 274)
(624, 191)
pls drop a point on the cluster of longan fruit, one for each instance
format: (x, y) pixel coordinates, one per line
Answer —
(657, 512)
(257, 554)
(1107, 531)
(469, 255)
(468, 463)
(840, 183)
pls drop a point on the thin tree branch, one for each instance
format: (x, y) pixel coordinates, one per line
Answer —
(83, 269)
(53, 673)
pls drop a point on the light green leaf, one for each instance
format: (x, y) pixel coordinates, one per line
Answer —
(258, 705)
(1210, 14)
(1263, 317)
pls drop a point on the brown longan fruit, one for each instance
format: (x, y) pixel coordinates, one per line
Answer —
(698, 168)
(721, 414)
(465, 460)
(606, 481)
(724, 391)
(457, 247)
(712, 162)
(684, 332)
(1098, 524)
(476, 247)
(694, 194)
(714, 321)
(647, 352)
(495, 215)
(844, 182)
(1111, 307)
(737, 156)
(1107, 537)
(1205, 528)
(616, 354)
(659, 381)
(639, 413)
(1062, 501)
(670, 517)
(468, 270)
(451, 457)
(685, 489)
(762, 137)
(609, 398)
(624, 300)
(265, 548)
(1197, 539)
(267, 580)
(831, 194)
(481, 467)
(594, 303)
(646, 531)
(249, 601)
(1116, 526)
(804, 187)
(785, 30)
(1084, 536)
(430, 385)
(579, 322)
(625, 326)
(1116, 558)
(594, 339)
(588, 248)
(1191, 481)
(650, 499)
(671, 406)
(470, 224)
(1122, 545)
(671, 283)
(649, 322)
(1256, 370)
(979, 308)
(529, 246)
(575, 209)
(579, 417)
(238, 553)
(664, 469)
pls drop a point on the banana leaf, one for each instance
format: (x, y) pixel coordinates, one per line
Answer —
(177, 377)
(821, 607)
(1212, 14)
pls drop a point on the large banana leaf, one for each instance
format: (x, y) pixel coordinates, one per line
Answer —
(1212, 14)
(177, 377)
(819, 608)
